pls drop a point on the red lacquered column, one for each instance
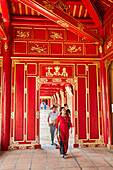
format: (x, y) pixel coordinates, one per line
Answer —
(104, 107)
(6, 96)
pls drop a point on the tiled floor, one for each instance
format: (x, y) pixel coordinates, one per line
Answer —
(85, 159)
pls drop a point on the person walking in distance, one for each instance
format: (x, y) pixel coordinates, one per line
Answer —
(68, 112)
(52, 118)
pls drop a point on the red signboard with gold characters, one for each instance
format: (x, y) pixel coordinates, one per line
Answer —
(56, 71)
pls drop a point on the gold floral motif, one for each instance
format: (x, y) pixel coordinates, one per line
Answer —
(56, 62)
(62, 6)
(100, 49)
(100, 113)
(14, 62)
(56, 79)
(36, 142)
(97, 63)
(23, 147)
(87, 67)
(74, 49)
(25, 67)
(6, 46)
(63, 24)
(38, 48)
(107, 64)
(40, 81)
(80, 26)
(12, 89)
(13, 142)
(87, 90)
(109, 44)
(25, 137)
(48, 5)
(73, 81)
(12, 115)
(23, 34)
(87, 114)
(76, 114)
(99, 89)
(25, 90)
(56, 35)
(87, 135)
(37, 115)
(25, 115)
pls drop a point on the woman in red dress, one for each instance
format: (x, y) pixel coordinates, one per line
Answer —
(63, 124)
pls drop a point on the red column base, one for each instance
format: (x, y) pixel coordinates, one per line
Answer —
(75, 145)
(37, 146)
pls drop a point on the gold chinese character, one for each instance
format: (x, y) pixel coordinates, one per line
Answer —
(64, 73)
(49, 71)
(57, 73)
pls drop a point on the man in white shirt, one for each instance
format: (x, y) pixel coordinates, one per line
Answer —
(52, 118)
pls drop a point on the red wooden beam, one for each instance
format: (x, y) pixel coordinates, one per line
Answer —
(3, 32)
(5, 12)
(49, 10)
(93, 13)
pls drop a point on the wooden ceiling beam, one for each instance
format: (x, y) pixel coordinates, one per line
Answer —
(49, 10)
(93, 13)
(5, 12)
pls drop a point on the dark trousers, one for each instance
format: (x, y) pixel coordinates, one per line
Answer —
(52, 131)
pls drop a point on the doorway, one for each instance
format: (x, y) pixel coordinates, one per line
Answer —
(55, 94)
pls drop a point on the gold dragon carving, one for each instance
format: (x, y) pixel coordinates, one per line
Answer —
(74, 49)
(48, 5)
(23, 34)
(38, 48)
(62, 6)
(56, 35)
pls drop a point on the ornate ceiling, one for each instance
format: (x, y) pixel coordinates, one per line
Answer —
(74, 8)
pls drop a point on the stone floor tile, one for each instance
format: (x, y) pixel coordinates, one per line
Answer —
(75, 168)
(86, 164)
(22, 166)
(69, 164)
(110, 162)
(90, 168)
(54, 165)
(100, 163)
(20, 161)
(38, 166)
(49, 159)
(37, 160)
(104, 168)
(7, 166)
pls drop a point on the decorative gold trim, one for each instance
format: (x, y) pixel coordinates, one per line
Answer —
(6, 46)
(48, 5)
(62, 23)
(25, 115)
(63, 6)
(76, 114)
(37, 115)
(12, 115)
(57, 80)
(40, 81)
(72, 81)
(100, 49)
